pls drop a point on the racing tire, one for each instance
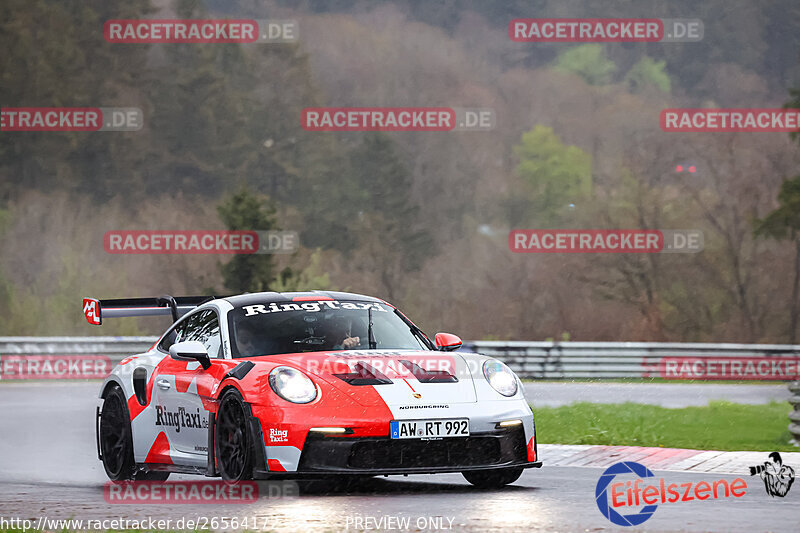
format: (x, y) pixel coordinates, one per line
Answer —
(233, 443)
(116, 442)
(492, 479)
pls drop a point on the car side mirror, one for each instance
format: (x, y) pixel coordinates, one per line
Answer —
(447, 342)
(190, 351)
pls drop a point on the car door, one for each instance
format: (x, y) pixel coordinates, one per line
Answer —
(180, 387)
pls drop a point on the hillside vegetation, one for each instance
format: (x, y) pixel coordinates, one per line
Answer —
(419, 218)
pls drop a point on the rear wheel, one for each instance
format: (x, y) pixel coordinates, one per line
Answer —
(116, 443)
(115, 437)
(233, 444)
(492, 479)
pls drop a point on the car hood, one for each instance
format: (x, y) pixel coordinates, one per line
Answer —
(409, 376)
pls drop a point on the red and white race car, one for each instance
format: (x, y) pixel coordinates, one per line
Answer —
(300, 384)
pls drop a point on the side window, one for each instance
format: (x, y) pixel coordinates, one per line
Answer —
(176, 334)
(204, 327)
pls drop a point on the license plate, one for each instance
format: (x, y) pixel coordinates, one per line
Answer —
(430, 429)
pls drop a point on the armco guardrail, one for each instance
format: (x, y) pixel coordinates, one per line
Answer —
(539, 360)
(566, 360)
(114, 347)
(65, 357)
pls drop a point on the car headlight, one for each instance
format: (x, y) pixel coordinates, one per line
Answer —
(292, 385)
(500, 377)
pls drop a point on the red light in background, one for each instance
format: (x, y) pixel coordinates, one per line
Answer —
(679, 168)
(692, 168)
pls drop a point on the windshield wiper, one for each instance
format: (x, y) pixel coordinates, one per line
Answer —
(416, 331)
(372, 344)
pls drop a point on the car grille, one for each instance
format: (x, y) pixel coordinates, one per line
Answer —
(381, 454)
(412, 453)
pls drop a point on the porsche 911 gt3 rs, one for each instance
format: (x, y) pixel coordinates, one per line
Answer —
(270, 384)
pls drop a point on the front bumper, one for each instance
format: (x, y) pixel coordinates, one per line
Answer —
(369, 450)
(381, 455)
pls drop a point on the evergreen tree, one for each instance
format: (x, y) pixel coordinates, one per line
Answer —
(245, 211)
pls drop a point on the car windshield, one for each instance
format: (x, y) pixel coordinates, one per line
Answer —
(313, 326)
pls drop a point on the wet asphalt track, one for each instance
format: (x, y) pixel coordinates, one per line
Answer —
(48, 466)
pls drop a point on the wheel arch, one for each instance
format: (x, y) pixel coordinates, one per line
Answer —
(110, 382)
(253, 425)
(211, 465)
(227, 384)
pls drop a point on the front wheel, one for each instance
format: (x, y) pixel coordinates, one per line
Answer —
(492, 479)
(233, 444)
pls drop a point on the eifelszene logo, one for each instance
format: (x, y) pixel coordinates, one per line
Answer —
(778, 477)
(601, 494)
(631, 494)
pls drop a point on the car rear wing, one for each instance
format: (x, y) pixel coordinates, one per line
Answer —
(96, 310)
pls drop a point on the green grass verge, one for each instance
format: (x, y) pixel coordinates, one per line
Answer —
(718, 426)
